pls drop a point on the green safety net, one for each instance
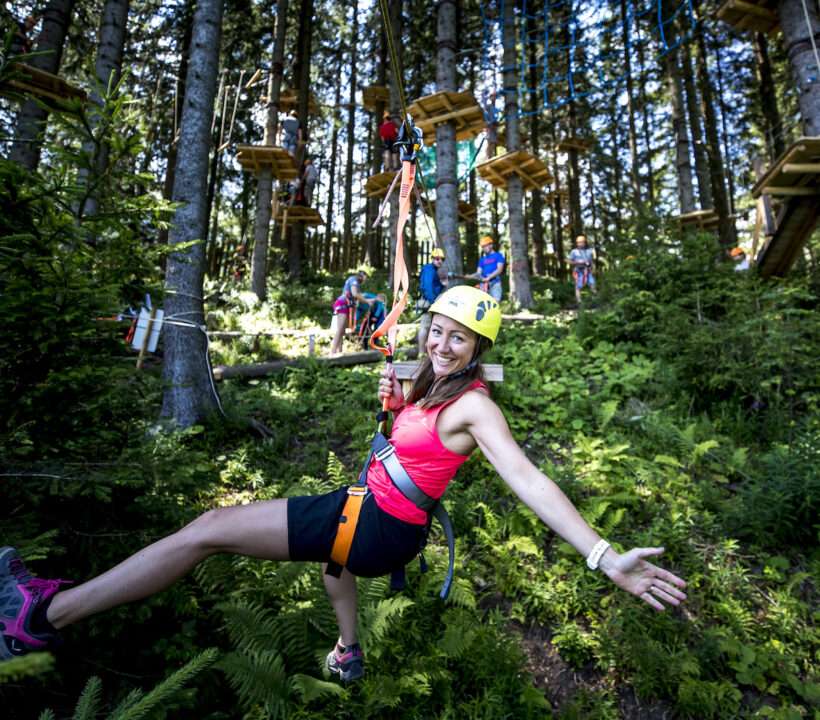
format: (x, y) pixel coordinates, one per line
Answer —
(466, 153)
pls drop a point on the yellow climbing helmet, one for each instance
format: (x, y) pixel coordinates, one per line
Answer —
(486, 240)
(472, 308)
(437, 253)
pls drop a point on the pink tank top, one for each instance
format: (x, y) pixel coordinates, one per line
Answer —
(427, 461)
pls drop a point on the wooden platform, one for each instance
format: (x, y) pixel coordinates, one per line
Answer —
(553, 195)
(466, 213)
(372, 95)
(377, 185)
(28, 80)
(289, 99)
(796, 173)
(299, 214)
(459, 107)
(253, 158)
(795, 224)
(405, 370)
(581, 144)
(753, 15)
(700, 219)
(530, 169)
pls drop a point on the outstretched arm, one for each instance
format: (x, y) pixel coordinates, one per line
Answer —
(630, 571)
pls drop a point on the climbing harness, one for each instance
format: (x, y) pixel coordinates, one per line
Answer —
(409, 142)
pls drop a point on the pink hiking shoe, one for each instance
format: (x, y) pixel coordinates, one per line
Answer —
(20, 596)
(346, 662)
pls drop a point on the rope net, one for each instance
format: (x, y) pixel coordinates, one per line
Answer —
(570, 50)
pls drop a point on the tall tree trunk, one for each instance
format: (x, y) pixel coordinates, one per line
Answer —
(189, 396)
(574, 183)
(31, 120)
(296, 246)
(519, 271)
(334, 149)
(558, 216)
(264, 182)
(616, 170)
(646, 123)
(537, 204)
(351, 127)
(446, 154)
(724, 131)
(373, 233)
(686, 194)
(798, 31)
(695, 130)
(726, 227)
(772, 122)
(108, 66)
(179, 97)
(630, 109)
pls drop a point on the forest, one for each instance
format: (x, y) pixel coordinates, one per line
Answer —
(185, 190)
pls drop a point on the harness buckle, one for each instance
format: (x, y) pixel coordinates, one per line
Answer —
(357, 490)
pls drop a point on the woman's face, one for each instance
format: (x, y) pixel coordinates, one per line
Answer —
(450, 345)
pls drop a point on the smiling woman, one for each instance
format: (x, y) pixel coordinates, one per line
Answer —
(447, 415)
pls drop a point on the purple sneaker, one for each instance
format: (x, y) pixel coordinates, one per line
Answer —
(346, 662)
(20, 595)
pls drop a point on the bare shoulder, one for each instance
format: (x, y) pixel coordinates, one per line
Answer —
(475, 404)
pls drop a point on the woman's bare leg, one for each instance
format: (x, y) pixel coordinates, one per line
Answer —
(342, 594)
(258, 530)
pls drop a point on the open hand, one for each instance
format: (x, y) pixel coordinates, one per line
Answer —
(652, 584)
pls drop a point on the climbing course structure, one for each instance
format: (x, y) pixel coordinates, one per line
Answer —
(466, 212)
(289, 100)
(577, 54)
(299, 214)
(378, 185)
(253, 158)
(795, 180)
(530, 169)
(373, 96)
(581, 144)
(698, 220)
(460, 108)
(752, 15)
(27, 81)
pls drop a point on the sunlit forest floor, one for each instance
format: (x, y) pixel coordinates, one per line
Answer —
(655, 408)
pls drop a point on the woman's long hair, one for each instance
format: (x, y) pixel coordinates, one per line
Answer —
(428, 392)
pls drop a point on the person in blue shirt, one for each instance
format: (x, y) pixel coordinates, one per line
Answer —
(491, 265)
(430, 287)
(582, 260)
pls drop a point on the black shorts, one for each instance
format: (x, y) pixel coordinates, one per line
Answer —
(382, 543)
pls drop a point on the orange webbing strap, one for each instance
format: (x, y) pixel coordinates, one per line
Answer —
(347, 529)
(401, 279)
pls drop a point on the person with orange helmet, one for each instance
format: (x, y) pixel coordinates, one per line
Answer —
(431, 285)
(490, 267)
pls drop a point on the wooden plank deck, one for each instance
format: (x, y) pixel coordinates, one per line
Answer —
(466, 213)
(553, 195)
(530, 169)
(253, 158)
(52, 89)
(701, 219)
(299, 214)
(289, 99)
(459, 107)
(796, 173)
(754, 15)
(377, 185)
(372, 95)
(796, 222)
(581, 144)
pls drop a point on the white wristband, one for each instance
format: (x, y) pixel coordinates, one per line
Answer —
(596, 554)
